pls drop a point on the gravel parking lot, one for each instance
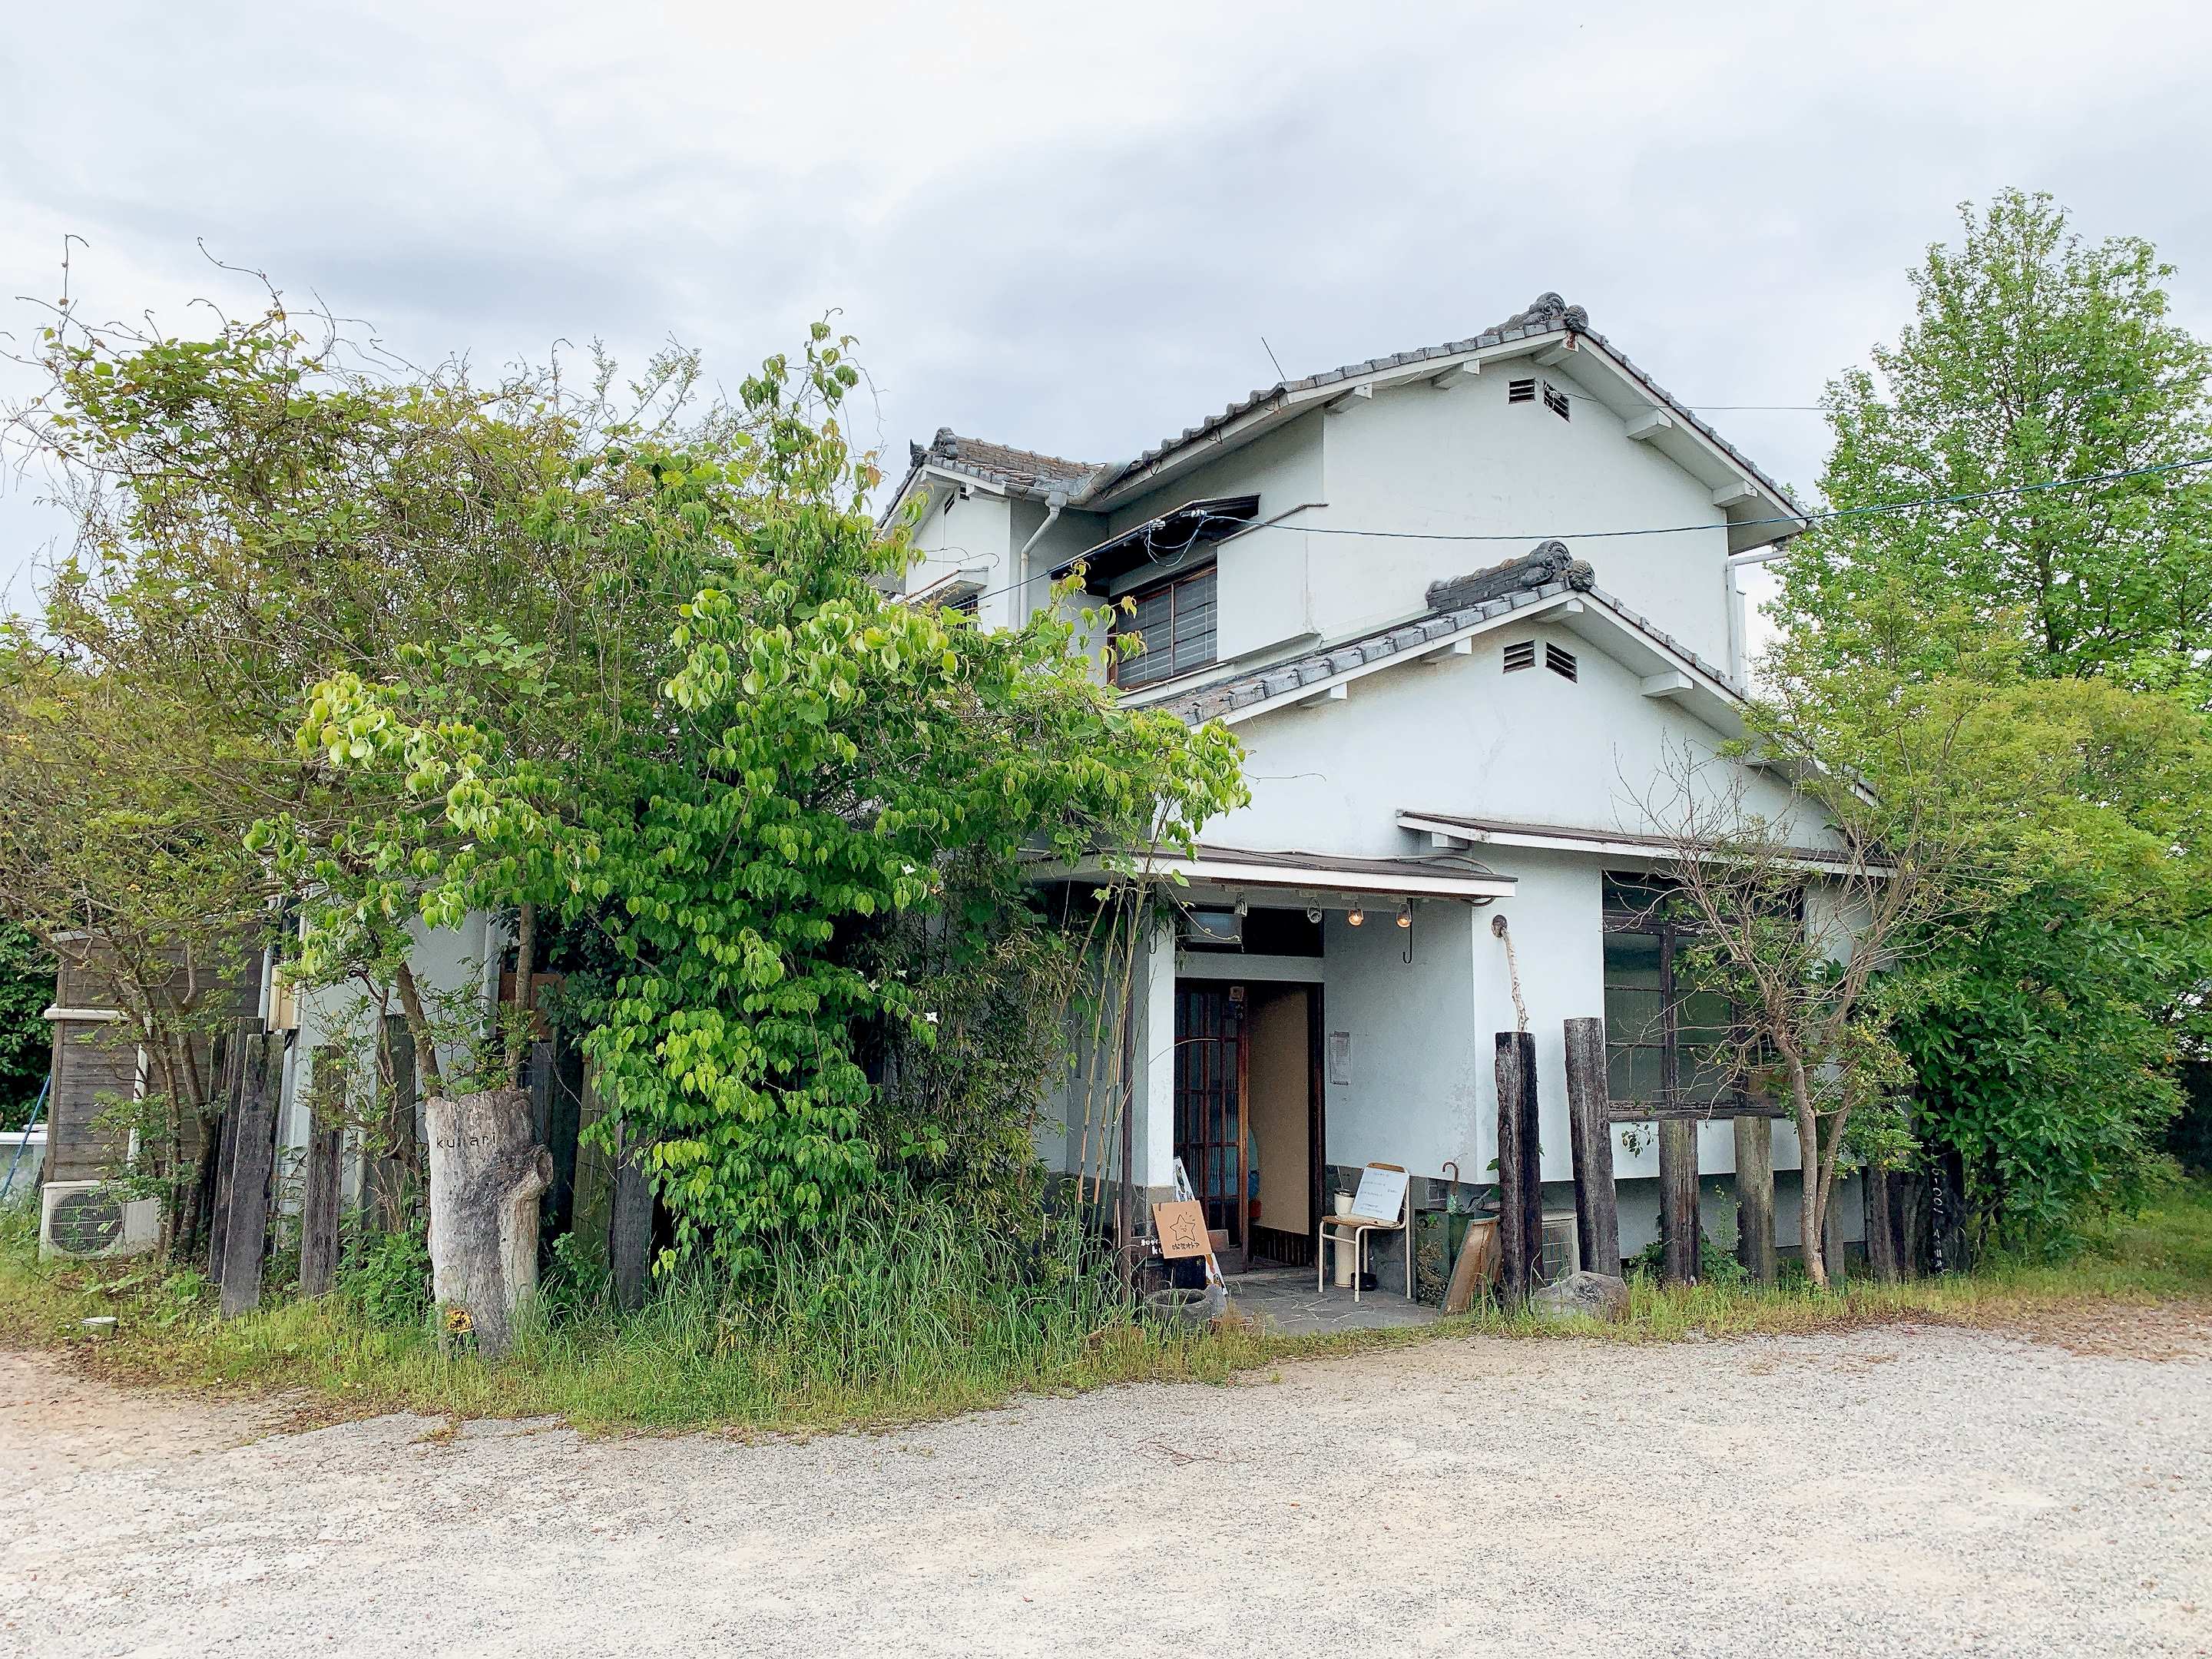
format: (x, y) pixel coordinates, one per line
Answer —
(1905, 1490)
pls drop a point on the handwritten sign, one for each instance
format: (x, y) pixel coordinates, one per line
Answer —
(1181, 1225)
(1382, 1194)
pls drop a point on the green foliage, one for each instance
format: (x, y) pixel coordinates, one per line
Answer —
(2189, 1137)
(822, 768)
(388, 1280)
(2034, 358)
(578, 1282)
(1716, 1267)
(26, 990)
(2043, 655)
(2044, 1058)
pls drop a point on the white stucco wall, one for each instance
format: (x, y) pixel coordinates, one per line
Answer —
(1418, 1048)
(1266, 597)
(446, 962)
(1465, 461)
(975, 536)
(1460, 735)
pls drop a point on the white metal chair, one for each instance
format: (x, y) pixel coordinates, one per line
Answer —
(1381, 1205)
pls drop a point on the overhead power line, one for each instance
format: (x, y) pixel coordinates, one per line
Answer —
(1829, 515)
(1826, 517)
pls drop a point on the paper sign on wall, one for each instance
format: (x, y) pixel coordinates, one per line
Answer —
(1340, 1056)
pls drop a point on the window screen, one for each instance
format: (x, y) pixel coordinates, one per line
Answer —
(1175, 620)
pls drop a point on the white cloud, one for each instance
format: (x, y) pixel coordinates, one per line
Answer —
(1067, 226)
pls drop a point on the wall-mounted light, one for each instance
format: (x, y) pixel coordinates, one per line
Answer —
(1355, 915)
(1406, 915)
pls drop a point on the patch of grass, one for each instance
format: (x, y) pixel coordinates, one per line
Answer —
(2163, 1255)
(918, 1318)
(914, 1316)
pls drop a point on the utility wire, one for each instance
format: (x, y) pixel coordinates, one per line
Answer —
(1828, 516)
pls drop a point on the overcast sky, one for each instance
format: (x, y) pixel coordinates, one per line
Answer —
(1068, 226)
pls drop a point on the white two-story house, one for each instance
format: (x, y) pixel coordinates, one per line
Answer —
(1432, 742)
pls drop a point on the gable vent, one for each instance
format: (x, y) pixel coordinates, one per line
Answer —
(1521, 653)
(1521, 392)
(1555, 401)
(1559, 662)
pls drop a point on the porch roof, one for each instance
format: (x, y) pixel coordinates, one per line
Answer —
(1450, 827)
(1450, 874)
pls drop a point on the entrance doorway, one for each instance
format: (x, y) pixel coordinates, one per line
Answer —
(1248, 1113)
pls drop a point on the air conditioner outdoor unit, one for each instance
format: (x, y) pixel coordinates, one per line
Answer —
(85, 1220)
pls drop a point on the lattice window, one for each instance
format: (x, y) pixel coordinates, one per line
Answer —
(1174, 618)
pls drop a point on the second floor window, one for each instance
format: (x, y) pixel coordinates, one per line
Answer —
(1174, 618)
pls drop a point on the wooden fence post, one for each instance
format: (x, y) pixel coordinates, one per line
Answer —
(591, 1213)
(1520, 1172)
(319, 1205)
(1589, 1115)
(1678, 1198)
(632, 1242)
(233, 1089)
(395, 1174)
(541, 1090)
(1832, 1240)
(1754, 1197)
(254, 1157)
(1884, 1248)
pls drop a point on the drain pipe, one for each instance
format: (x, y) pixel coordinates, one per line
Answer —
(1052, 503)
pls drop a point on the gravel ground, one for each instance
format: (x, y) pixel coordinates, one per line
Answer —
(1906, 1491)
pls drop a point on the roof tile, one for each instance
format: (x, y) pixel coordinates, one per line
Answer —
(1242, 690)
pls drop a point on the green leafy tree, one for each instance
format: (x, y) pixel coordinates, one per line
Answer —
(26, 990)
(272, 505)
(123, 865)
(823, 766)
(2034, 358)
(2071, 625)
(2045, 1049)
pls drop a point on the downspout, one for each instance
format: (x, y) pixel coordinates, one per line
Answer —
(1052, 503)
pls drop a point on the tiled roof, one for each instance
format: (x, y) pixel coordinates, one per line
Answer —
(1021, 469)
(1240, 690)
(1547, 314)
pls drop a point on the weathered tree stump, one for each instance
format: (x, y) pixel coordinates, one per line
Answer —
(487, 1170)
